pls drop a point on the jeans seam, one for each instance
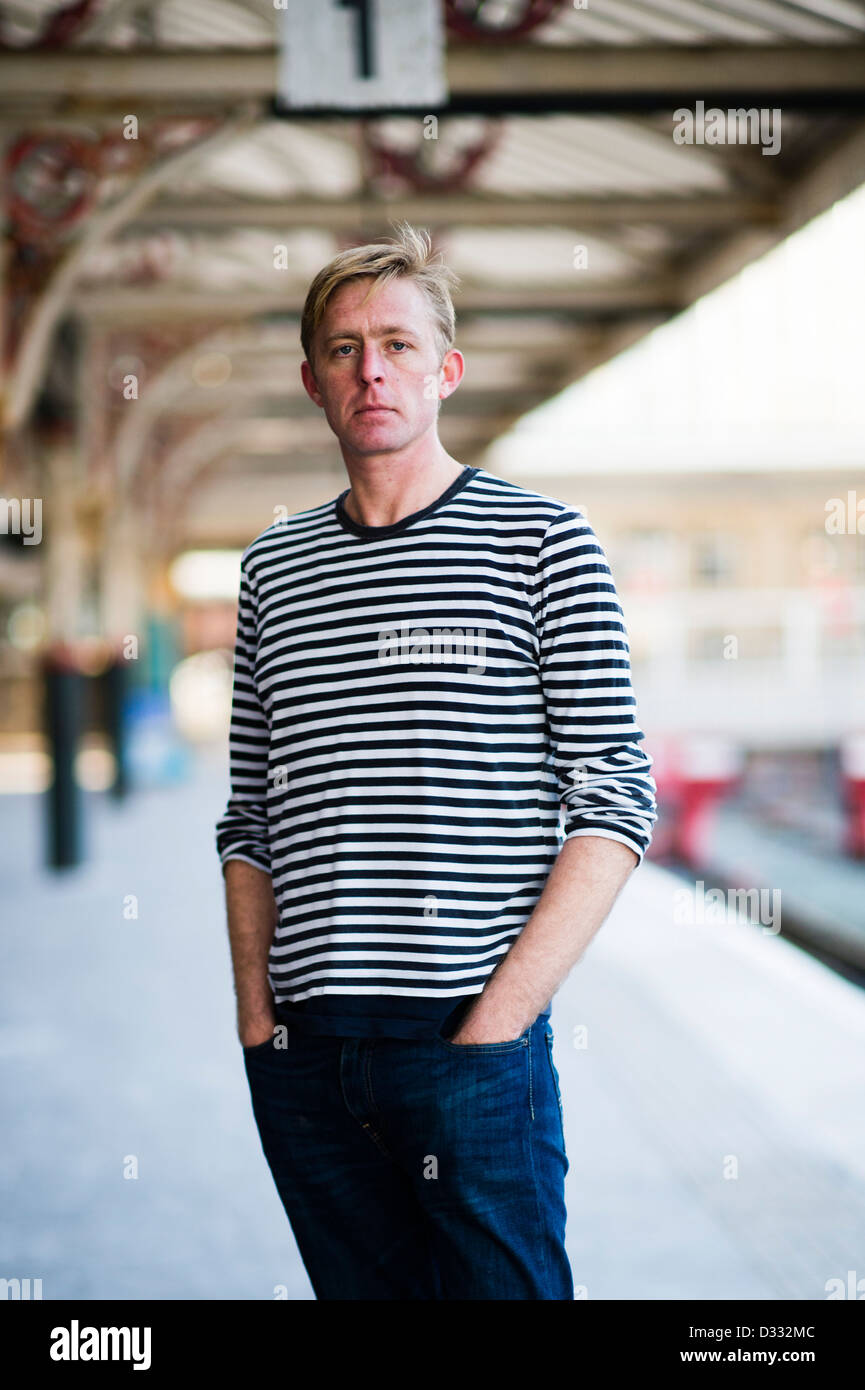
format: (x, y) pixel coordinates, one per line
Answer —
(549, 1051)
(375, 1131)
(535, 1188)
(531, 1093)
(491, 1049)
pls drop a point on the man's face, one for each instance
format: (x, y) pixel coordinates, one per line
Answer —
(379, 354)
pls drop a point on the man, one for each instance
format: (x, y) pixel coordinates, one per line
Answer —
(438, 791)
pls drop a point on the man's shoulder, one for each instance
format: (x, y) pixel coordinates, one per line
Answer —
(527, 502)
(285, 533)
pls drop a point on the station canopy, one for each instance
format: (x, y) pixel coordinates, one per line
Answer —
(556, 188)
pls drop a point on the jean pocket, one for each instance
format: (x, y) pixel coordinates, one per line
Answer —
(486, 1049)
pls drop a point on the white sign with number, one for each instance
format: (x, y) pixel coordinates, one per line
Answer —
(361, 53)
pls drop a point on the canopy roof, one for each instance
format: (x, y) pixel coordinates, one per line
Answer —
(555, 189)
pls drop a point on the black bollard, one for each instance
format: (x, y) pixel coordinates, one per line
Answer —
(64, 688)
(114, 684)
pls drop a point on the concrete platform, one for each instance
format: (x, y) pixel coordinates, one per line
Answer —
(714, 1120)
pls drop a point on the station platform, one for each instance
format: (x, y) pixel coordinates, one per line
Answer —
(712, 1078)
(823, 888)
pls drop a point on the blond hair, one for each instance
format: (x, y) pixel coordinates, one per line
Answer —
(408, 253)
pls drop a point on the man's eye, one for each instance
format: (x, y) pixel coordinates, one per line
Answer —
(398, 343)
(343, 345)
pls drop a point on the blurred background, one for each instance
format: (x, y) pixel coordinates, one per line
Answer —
(657, 211)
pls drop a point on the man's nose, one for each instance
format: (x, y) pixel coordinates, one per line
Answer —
(371, 364)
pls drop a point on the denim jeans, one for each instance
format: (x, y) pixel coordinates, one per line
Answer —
(420, 1169)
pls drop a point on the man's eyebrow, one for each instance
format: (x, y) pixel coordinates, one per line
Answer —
(377, 333)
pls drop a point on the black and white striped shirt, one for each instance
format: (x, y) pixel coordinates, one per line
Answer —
(421, 713)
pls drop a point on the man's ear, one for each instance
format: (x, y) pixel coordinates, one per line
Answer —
(308, 378)
(452, 371)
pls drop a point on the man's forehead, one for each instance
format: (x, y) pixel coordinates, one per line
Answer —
(398, 299)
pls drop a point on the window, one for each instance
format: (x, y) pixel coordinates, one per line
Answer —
(713, 558)
(648, 560)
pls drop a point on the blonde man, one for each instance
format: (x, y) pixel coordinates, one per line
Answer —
(438, 791)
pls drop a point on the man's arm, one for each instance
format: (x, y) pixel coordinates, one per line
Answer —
(242, 837)
(603, 774)
(589, 871)
(252, 918)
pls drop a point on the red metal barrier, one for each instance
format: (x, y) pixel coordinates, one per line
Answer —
(693, 776)
(852, 763)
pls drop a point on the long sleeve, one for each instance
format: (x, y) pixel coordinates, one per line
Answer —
(603, 773)
(242, 832)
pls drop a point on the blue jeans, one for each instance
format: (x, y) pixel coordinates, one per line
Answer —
(418, 1169)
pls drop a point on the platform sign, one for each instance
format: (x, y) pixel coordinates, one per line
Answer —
(352, 54)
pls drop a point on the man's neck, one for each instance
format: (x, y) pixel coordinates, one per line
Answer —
(382, 495)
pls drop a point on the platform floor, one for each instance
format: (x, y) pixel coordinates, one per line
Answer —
(823, 888)
(714, 1121)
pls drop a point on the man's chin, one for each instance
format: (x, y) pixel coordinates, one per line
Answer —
(382, 440)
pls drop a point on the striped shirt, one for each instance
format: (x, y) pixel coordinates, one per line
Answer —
(422, 713)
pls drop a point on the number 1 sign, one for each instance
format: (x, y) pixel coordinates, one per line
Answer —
(354, 54)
